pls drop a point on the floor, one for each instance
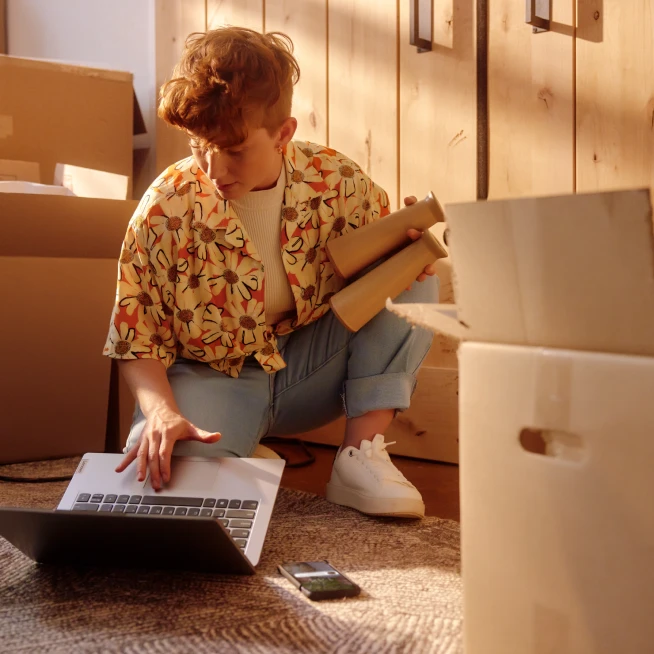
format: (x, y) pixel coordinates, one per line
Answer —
(438, 482)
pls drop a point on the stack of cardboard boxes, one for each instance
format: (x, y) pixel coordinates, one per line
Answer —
(58, 253)
(555, 302)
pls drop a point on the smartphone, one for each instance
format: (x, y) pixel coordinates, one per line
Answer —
(318, 580)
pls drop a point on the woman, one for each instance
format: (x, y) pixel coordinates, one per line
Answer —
(222, 320)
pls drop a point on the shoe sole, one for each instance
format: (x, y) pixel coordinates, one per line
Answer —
(378, 506)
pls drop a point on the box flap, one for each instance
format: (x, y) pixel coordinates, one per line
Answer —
(72, 68)
(19, 171)
(67, 227)
(573, 272)
(94, 130)
(75, 68)
(441, 318)
(89, 183)
(34, 188)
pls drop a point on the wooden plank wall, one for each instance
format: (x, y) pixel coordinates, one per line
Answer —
(438, 108)
(571, 110)
(615, 94)
(241, 13)
(530, 102)
(306, 24)
(174, 21)
(363, 87)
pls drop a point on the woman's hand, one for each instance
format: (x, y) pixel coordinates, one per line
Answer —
(414, 235)
(155, 446)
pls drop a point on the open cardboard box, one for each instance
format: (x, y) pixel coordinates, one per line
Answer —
(89, 183)
(52, 112)
(555, 305)
(58, 268)
(15, 171)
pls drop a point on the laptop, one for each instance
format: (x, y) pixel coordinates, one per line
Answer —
(212, 516)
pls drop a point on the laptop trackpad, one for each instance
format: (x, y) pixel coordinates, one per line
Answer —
(189, 476)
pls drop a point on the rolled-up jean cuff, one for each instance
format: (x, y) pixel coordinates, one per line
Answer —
(378, 392)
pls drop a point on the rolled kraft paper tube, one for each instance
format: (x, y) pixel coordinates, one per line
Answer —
(358, 249)
(362, 300)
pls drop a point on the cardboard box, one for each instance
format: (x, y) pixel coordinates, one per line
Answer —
(429, 429)
(58, 267)
(444, 266)
(19, 171)
(89, 183)
(34, 188)
(555, 301)
(443, 352)
(56, 112)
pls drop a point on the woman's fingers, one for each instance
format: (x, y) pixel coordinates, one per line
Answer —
(153, 458)
(154, 449)
(165, 452)
(129, 457)
(142, 459)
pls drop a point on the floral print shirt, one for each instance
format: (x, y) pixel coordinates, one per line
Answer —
(191, 283)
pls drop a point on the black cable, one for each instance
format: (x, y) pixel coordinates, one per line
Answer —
(309, 458)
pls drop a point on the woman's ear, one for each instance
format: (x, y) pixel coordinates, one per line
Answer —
(287, 131)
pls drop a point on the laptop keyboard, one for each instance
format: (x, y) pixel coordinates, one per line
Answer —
(236, 516)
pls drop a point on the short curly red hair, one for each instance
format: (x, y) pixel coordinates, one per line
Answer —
(227, 78)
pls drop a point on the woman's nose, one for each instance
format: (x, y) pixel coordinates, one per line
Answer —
(216, 168)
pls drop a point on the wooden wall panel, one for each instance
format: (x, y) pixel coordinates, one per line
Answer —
(531, 102)
(363, 87)
(438, 111)
(239, 13)
(615, 94)
(174, 21)
(306, 23)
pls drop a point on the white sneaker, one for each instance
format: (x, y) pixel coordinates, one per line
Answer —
(366, 479)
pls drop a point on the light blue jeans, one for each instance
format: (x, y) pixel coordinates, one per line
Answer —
(329, 371)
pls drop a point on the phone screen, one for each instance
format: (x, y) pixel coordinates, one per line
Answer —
(318, 576)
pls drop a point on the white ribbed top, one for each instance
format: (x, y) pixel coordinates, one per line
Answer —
(260, 213)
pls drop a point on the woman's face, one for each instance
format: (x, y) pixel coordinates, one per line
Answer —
(250, 166)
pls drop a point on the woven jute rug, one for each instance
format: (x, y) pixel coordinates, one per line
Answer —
(408, 570)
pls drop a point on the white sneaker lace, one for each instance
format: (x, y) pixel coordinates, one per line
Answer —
(378, 458)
